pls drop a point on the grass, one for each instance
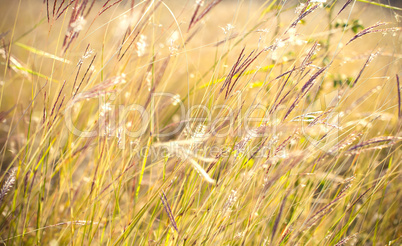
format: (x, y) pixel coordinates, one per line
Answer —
(200, 123)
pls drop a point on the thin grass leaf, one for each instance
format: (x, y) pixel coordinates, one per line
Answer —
(380, 5)
(42, 53)
(398, 89)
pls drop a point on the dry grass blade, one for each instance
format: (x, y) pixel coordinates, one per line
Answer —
(376, 140)
(366, 31)
(369, 59)
(97, 90)
(398, 89)
(306, 87)
(241, 146)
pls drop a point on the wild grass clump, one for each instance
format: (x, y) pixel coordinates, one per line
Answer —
(200, 122)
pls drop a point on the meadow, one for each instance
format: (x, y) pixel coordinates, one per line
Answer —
(211, 122)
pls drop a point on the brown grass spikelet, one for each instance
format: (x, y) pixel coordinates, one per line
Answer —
(169, 211)
(345, 240)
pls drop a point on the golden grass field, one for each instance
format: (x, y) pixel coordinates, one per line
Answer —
(210, 122)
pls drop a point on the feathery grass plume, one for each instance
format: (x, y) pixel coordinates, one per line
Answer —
(347, 141)
(287, 72)
(87, 54)
(141, 24)
(377, 140)
(345, 240)
(286, 142)
(168, 211)
(370, 29)
(77, 23)
(321, 116)
(238, 69)
(350, 206)
(241, 145)
(274, 104)
(307, 60)
(232, 72)
(8, 184)
(85, 75)
(306, 87)
(58, 97)
(231, 200)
